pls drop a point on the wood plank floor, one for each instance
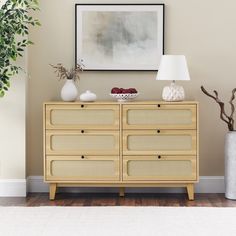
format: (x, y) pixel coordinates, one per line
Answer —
(111, 199)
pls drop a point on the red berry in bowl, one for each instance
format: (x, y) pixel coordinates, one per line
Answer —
(126, 91)
(115, 90)
(133, 90)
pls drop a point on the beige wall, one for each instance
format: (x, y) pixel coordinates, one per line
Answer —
(202, 30)
(12, 130)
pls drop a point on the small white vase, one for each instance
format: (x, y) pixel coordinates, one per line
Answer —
(230, 165)
(69, 92)
(88, 96)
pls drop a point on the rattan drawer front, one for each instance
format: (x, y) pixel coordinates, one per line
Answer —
(86, 143)
(152, 142)
(85, 116)
(159, 116)
(82, 168)
(155, 168)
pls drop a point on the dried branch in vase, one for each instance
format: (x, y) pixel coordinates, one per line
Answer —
(71, 74)
(228, 119)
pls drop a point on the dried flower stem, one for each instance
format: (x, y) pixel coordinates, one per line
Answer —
(63, 73)
(229, 120)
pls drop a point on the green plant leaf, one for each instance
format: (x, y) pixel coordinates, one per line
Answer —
(14, 22)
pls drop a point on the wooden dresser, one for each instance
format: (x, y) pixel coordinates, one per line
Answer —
(131, 144)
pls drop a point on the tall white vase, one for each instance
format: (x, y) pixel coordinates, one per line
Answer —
(230, 165)
(69, 92)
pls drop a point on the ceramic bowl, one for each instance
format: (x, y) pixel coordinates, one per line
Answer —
(124, 97)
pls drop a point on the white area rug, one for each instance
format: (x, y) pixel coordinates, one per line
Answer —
(114, 221)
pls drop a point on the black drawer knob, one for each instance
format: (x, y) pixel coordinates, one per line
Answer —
(82, 106)
(158, 105)
(158, 131)
(159, 157)
(82, 157)
(82, 131)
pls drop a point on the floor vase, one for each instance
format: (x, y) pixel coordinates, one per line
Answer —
(230, 165)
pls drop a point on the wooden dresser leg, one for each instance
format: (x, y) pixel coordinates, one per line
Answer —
(122, 192)
(190, 190)
(53, 189)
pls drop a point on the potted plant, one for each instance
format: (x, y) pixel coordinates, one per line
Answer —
(69, 92)
(14, 28)
(230, 143)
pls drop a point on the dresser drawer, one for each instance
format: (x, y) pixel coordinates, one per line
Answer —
(159, 116)
(82, 143)
(82, 168)
(167, 168)
(159, 142)
(82, 116)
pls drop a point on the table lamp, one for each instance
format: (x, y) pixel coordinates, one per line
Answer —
(173, 67)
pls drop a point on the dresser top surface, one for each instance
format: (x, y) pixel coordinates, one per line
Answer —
(143, 102)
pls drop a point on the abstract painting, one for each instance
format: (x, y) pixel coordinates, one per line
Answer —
(119, 37)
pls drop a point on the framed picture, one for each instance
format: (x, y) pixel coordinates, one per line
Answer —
(119, 37)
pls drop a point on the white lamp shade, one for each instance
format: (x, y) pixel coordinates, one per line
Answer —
(173, 67)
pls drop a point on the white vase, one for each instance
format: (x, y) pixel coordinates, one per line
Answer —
(69, 92)
(88, 96)
(230, 165)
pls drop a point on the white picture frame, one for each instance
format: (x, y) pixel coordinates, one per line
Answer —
(119, 37)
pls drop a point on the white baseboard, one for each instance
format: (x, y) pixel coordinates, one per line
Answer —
(207, 184)
(12, 187)
(35, 184)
